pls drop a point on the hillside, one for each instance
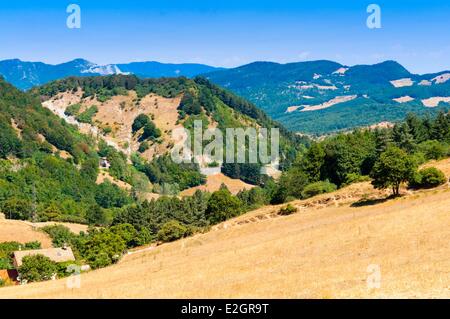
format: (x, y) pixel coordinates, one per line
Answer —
(326, 250)
(48, 169)
(320, 97)
(25, 75)
(110, 108)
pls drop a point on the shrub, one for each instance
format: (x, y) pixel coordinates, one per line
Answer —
(317, 189)
(86, 116)
(59, 234)
(355, 178)
(37, 268)
(73, 109)
(33, 245)
(107, 129)
(172, 230)
(222, 205)
(143, 147)
(287, 210)
(428, 178)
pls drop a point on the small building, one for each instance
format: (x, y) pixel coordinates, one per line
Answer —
(55, 254)
(104, 163)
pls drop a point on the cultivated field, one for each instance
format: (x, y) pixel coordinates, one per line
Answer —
(330, 248)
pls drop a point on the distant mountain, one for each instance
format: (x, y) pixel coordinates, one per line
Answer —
(25, 75)
(157, 69)
(319, 97)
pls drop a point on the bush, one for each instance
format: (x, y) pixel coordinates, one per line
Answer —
(317, 189)
(73, 109)
(222, 205)
(428, 178)
(355, 178)
(106, 130)
(143, 147)
(287, 210)
(33, 245)
(86, 116)
(37, 268)
(59, 234)
(172, 230)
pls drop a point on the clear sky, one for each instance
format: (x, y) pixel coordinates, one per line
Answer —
(228, 32)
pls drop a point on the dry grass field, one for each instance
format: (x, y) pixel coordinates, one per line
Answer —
(213, 183)
(22, 232)
(328, 249)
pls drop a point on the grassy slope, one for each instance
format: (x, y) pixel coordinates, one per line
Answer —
(322, 252)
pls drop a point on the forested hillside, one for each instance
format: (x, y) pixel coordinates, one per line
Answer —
(47, 168)
(139, 116)
(320, 97)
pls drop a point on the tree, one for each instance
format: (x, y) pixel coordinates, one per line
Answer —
(139, 122)
(103, 248)
(89, 169)
(95, 215)
(127, 232)
(37, 268)
(393, 168)
(222, 205)
(403, 138)
(172, 230)
(16, 208)
(441, 127)
(313, 161)
(110, 195)
(150, 131)
(60, 235)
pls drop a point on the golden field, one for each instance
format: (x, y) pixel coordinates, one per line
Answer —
(325, 250)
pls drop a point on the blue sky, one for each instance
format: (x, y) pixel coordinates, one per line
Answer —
(228, 33)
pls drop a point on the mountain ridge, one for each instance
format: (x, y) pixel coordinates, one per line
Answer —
(321, 97)
(25, 74)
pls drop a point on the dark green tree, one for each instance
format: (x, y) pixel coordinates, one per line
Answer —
(393, 168)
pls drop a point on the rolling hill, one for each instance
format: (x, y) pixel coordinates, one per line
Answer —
(320, 97)
(329, 249)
